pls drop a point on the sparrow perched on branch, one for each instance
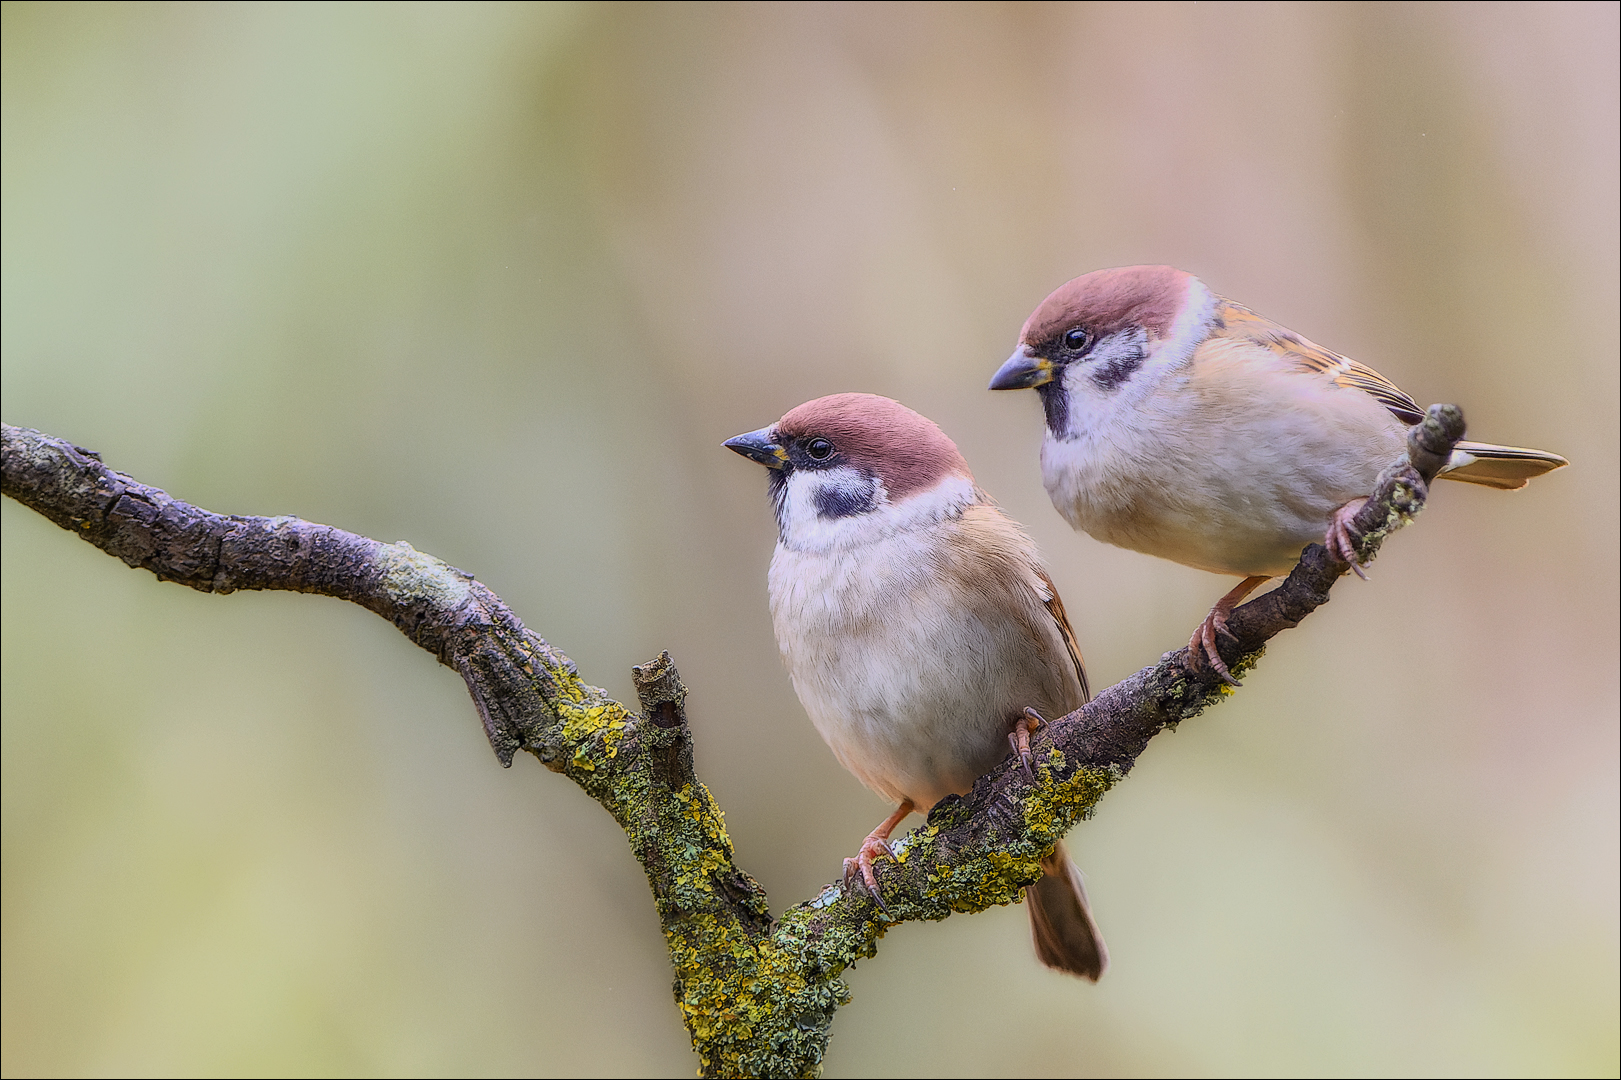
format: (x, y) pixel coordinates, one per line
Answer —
(918, 625)
(1187, 426)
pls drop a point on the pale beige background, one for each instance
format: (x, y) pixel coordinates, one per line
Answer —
(499, 279)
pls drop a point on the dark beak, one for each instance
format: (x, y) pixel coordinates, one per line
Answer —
(760, 446)
(1022, 371)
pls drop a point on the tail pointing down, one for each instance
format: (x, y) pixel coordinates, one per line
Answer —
(1061, 922)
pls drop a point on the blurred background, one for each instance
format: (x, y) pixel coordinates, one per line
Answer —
(498, 279)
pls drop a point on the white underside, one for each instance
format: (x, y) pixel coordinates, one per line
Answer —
(912, 663)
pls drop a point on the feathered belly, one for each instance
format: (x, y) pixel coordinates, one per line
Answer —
(1209, 537)
(1231, 503)
(912, 698)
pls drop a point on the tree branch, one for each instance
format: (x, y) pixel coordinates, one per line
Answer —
(757, 995)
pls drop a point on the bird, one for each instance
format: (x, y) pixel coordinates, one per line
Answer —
(918, 625)
(1184, 425)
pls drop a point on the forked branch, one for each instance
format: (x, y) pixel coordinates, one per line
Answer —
(757, 994)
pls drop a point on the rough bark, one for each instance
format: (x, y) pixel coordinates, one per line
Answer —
(758, 995)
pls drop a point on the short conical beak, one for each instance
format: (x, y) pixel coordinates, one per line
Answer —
(1022, 371)
(760, 446)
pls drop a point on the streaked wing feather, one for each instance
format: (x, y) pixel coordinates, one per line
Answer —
(1055, 607)
(1361, 377)
(1240, 321)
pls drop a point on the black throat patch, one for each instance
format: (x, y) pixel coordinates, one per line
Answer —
(1055, 403)
(777, 485)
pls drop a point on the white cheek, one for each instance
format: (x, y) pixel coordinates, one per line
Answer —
(807, 486)
(802, 519)
(1089, 405)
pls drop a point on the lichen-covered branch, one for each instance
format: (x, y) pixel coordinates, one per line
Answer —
(757, 995)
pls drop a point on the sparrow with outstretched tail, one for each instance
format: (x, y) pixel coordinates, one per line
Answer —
(918, 625)
(1187, 426)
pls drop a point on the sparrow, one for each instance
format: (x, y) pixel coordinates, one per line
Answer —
(1184, 425)
(918, 625)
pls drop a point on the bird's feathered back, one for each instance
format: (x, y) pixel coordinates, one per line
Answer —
(1504, 467)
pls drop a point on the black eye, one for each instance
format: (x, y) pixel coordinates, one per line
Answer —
(1075, 340)
(819, 449)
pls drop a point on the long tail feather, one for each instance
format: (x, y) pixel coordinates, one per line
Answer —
(1504, 467)
(1061, 924)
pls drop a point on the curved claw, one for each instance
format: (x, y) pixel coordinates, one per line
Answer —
(1202, 646)
(862, 865)
(1019, 738)
(876, 844)
(1342, 536)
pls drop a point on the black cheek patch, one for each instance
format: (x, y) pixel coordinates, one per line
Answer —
(1111, 373)
(835, 501)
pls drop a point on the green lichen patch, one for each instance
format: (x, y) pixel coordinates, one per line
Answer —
(753, 1005)
(582, 720)
(1406, 501)
(759, 999)
(993, 879)
(590, 735)
(1185, 697)
(1053, 807)
(970, 883)
(753, 1002)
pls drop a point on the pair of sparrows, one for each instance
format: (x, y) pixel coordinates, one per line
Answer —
(917, 620)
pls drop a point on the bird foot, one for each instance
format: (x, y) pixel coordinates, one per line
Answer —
(1019, 738)
(1342, 536)
(862, 866)
(1202, 646)
(876, 844)
(1202, 649)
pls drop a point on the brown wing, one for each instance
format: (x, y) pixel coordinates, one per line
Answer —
(1055, 607)
(1240, 321)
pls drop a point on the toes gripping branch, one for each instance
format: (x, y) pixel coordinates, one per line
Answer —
(1233, 638)
(1019, 738)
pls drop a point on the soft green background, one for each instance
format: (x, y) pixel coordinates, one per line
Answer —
(498, 280)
